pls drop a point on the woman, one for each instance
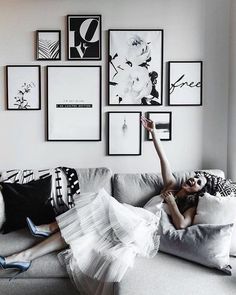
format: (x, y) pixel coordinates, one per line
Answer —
(105, 236)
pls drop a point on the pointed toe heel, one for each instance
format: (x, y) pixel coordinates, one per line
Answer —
(34, 231)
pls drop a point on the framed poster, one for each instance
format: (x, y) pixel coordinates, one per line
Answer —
(135, 67)
(23, 87)
(74, 103)
(124, 133)
(48, 45)
(84, 37)
(162, 123)
(185, 83)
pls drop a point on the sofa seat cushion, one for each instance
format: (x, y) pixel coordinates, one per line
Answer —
(47, 266)
(165, 274)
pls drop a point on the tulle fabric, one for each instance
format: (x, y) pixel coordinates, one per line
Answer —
(104, 238)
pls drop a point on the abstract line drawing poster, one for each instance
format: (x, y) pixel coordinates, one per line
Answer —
(162, 124)
(48, 45)
(124, 133)
(84, 37)
(23, 87)
(74, 103)
(135, 67)
(185, 83)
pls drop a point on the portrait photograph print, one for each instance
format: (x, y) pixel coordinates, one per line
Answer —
(162, 124)
(84, 37)
(124, 133)
(185, 83)
(135, 67)
(48, 45)
(23, 87)
(74, 103)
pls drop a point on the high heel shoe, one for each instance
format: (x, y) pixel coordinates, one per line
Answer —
(20, 266)
(35, 232)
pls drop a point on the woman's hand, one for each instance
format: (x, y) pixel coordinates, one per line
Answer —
(147, 124)
(168, 197)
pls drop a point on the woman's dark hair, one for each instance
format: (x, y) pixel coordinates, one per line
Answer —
(216, 184)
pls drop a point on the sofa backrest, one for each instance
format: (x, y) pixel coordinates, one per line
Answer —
(137, 189)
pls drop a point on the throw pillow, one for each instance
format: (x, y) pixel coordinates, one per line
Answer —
(206, 244)
(2, 210)
(217, 210)
(29, 199)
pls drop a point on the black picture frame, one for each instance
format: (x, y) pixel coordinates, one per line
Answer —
(184, 91)
(151, 61)
(80, 99)
(164, 125)
(79, 48)
(118, 134)
(48, 48)
(23, 87)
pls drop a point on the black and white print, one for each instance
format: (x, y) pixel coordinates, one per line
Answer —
(23, 87)
(84, 37)
(74, 103)
(124, 133)
(48, 45)
(135, 67)
(162, 124)
(185, 83)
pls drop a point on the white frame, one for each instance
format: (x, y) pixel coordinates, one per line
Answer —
(74, 103)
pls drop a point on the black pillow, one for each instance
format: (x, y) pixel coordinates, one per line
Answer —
(30, 199)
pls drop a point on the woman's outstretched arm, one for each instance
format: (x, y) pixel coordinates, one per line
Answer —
(168, 178)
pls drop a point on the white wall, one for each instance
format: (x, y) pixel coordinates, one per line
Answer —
(232, 97)
(193, 30)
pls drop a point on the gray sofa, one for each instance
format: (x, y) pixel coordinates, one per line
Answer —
(162, 275)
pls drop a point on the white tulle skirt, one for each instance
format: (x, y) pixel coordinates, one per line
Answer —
(104, 238)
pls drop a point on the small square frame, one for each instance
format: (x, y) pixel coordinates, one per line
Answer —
(48, 45)
(23, 87)
(163, 126)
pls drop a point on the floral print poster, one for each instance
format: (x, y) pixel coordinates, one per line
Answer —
(135, 67)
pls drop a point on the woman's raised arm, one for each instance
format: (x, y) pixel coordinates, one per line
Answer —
(168, 178)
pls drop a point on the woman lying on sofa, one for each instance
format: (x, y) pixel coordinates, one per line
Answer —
(104, 236)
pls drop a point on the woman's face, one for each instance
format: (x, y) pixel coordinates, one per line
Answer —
(194, 184)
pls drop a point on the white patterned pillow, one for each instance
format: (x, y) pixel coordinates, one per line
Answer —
(218, 210)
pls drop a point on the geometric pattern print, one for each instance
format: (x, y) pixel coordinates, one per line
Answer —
(65, 184)
(48, 49)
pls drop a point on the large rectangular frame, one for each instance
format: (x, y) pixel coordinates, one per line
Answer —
(135, 67)
(86, 37)
(73, 103)
(119, 135)
(187, 83)
(22, 87)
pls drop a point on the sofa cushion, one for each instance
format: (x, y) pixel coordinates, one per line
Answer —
(93, 179)
(169, 275)
(22, 239)
(207, 244)
(137, 189)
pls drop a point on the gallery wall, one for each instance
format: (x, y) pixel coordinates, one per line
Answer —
(193, 30)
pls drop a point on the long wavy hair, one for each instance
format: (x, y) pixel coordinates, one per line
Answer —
(216, 184)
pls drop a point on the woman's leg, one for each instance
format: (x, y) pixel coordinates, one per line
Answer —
(53, 243)
(51, 227)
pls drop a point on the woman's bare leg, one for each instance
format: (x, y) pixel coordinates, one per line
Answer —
(51, 227)
(53, 243)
